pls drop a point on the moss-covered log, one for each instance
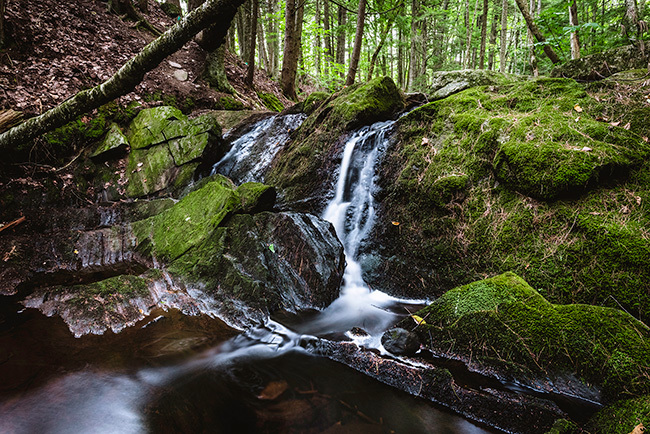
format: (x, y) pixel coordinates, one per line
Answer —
(217, 12)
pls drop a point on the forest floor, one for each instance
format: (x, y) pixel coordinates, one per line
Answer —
(60, 47)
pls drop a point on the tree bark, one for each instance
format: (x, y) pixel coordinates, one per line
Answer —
(493, 40)
(261, 44)
(535, 31)
(250, 71)
(382, 41)
(573, 21)
(3, 37)
(504, 36)
(481, 57)
(413, 54)
(143, 5)
(534, 70)
(290, 60)
(328, 34)
(340, 36)
(358, 39)
(219, 12)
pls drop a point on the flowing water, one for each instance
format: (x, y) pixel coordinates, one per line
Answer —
(174, 373)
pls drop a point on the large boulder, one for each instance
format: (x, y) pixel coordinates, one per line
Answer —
(446, 83)
(503, 324)
(303, 169)
(166, 148)
(525, 176)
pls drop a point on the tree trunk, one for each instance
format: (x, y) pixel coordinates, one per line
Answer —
(358, 39)
(630, 24)
(531, 46)
(125, 7)
(318, 42)
(535, 31)
(573, 21)
(329, 55)
(413, 54)
(250, 71)
(143, 5)
(382, 41)
(3, 37)
(218, 12)
(273, 39)
(290, 59)
(340, 36)
(400, 60)
(504, 36)
(493, 41)
(481, 58)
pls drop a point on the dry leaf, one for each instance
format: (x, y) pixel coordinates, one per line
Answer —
(627, 126)
(645, 138)
(577, 108)
(395, 223)
(425, 141)
(273, 390)
(586, 149)
(639, 429)
(578, 118)
(615, 124)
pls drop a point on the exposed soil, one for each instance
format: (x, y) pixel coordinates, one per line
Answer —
(61, 47)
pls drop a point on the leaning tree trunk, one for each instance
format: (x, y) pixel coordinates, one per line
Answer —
(535, 31)
(358, 39)
(219, 12)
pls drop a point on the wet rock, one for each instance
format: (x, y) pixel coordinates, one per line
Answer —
(400, 341)
(621, 417)
(601, 65)
(502, 409)
(114, 145)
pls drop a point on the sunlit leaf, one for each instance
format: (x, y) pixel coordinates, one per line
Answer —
(418, 320)
(577, 108)
(272, 247)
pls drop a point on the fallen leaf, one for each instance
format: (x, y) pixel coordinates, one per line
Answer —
(627, 126)
(577, 108)
(418, 320)
(577, 119)
(395, 223)
(586, 149)
(272, 248)
(615, 124)
(273, 390)
(425, 141)
(639, 429)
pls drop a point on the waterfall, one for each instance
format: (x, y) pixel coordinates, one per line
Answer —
(251, 154)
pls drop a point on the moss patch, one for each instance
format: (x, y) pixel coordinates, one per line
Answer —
(229, 103)
(621, 417)
(503, 320)
(271, 101)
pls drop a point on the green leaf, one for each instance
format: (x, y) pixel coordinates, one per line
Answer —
(272, 248)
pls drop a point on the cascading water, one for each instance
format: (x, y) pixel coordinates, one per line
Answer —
(250, 155)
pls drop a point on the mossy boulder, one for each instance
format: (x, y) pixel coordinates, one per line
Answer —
(271, 101)
(170, 234)
(446, 83)
(301, 169)
(600, 65)
(464, 212)
(503, 322)
(621, 417)
(166, 149)
(114, 145)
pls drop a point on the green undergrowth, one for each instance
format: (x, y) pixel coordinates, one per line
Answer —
(464, 215)
(504, 321)
(298, 169)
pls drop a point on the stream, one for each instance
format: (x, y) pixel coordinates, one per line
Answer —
(177, 373)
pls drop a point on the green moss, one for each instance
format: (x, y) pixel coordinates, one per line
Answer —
(621, 417)
(296, 168)
(255, 197)
(563, 426)
(313, 101)
(271, 101)
(171, 10)
(171, 233)
(229, 103)
(503, 320)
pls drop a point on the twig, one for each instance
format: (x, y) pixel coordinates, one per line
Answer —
(13, 223)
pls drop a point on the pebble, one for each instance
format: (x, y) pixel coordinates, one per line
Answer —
(181, 75)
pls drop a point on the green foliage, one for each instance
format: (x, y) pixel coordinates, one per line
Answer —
(504, 321)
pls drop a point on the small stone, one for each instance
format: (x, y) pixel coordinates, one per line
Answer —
(181, 75)
(175, 65)
(400, 342)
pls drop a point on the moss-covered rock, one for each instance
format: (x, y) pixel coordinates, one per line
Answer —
(114, 145)
(563, 426)
(621, 417)
(503, 321)
(600, 65)
(462, 213)
(229, 103)
(302, 169)
(271, 101)
(313, 101)
(446, 83)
